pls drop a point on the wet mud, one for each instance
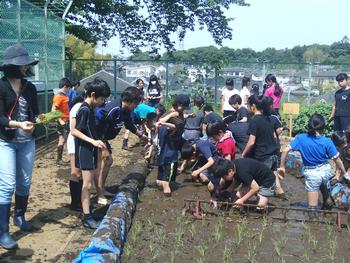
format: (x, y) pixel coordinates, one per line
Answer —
(160, 233)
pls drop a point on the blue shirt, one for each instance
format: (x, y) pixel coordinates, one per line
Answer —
(142, 110)
(168, 151)
(315, 150)
(206, 149)
(71, 95)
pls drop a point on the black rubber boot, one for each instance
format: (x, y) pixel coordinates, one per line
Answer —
(125, 144)
(75, 193)
(59, 155)
(6, 241)
(327, 200)
(312, 214)
(89, 221)
(20, 209)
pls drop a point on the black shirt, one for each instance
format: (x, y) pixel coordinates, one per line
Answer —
(212, 117)
(342, 103)
(264, 130)
(86, 123)
(8, 100)
(241, 113)
(239, 131)
(194, 123)
(248, 169)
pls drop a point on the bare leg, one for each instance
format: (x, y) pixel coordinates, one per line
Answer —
(278, 190)
(85, 193)
(312, 198)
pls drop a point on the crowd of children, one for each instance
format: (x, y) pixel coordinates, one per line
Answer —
(237, 151)
(241, 149)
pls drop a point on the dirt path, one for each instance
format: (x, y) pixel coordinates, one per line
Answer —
(59, 234)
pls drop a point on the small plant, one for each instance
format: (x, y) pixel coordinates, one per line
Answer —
(251, 251)
(179, 234)
(306, 257)
(127, 252)
(201, 250)
(227, 257)
(264, 226)
(332, 249)
(311, 239)
(151, 225)
(218, 231)
(193, 230)
(154, 251)
(278, 250)
(240, 230)
(173, 256)
(136, 231)
(159, 235)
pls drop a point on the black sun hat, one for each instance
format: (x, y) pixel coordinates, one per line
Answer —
(18, 56)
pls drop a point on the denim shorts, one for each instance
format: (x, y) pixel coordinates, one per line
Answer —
(267, 191)
(315, 176)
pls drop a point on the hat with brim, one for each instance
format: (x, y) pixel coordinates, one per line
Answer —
(18, 56)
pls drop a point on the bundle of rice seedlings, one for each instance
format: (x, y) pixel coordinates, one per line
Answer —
(50, 117)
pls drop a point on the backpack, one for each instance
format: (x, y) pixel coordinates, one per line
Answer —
(109, 122)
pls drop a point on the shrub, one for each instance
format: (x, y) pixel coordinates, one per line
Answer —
(301, 121)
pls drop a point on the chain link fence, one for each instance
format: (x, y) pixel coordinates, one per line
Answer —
(302, 83)
(44, 38)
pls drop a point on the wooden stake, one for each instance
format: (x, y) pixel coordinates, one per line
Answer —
(290, 124)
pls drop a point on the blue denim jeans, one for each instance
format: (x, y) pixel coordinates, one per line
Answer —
(16, 166)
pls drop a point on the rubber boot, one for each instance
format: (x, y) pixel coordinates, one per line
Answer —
(89, 221)
(327, 200)
(21, 203)
(125, 144)
(312, 214)
(75, 193)
(6, 241)
(59, 155)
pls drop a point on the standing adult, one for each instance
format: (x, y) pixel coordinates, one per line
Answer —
(341, 107)
(154, 91)
(18, 110)
(227, 93)
(275, 91)
(245, 92)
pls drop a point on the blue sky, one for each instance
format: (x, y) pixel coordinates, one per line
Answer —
(275, 23)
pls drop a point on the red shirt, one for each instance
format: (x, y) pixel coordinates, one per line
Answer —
(226, 146)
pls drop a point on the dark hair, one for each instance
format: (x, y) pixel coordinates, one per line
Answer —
(65, 82)
(99, 86)
(262, 103)
(14, 72)
(245, 81)
(339, 138)
(131, 94)
(187, 150)
(76, 83)
(161, 108)
(316, 124)
(181, 100)
(221, 167)
(214, 128)
(208, 108)
(235, 99)
(157, 85)
(151, 119)
(255, 89)
(341, 77)
(198, 101)
(229, 82)
(278, 90)
(138, 81)
(79, 97)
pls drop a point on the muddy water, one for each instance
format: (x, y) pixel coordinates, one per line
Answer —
(161, 234)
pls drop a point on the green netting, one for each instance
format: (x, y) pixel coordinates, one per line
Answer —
(23, 22)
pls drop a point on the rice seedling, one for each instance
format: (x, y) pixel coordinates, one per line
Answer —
(150, 225)
(127, 251)
(159, 235)
(227, 256)
(278, 250)
(173, 256)
(332, 249)
(311, 239)
(218, 231)
(153, 251)
(193, 230)
(264, 226)
(179, 234)
(136, 231)
(252, 251)
(201, 250)
(240, 230)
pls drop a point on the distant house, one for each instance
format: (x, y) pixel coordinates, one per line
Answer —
(121, 84)
(137, 71)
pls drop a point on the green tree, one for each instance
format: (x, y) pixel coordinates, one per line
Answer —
(147, 22)
(78, 49)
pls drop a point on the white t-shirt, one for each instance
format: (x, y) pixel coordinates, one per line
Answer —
(226, 93)
(244, 92)
(70, 139)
